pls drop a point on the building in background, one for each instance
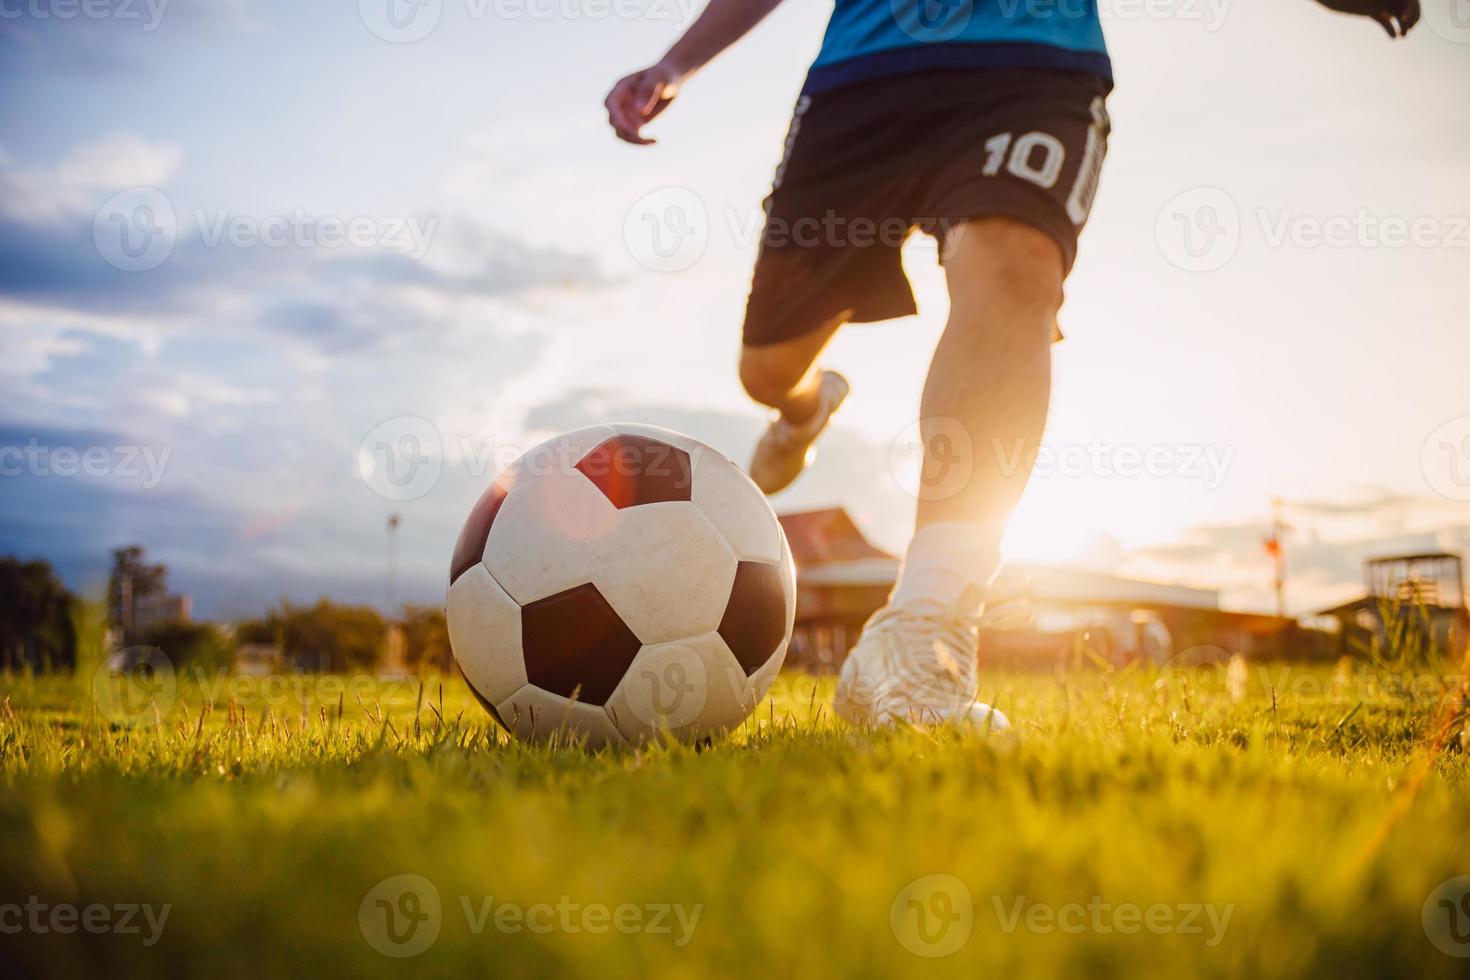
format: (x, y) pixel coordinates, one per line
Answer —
(159, 608)
(1037, 614)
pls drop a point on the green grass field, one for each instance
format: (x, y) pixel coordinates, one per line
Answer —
(1142, 823)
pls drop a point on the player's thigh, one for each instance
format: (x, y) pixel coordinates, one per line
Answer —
(1002, 263)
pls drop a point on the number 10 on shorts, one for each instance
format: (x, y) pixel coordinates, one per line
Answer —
(1038, 157)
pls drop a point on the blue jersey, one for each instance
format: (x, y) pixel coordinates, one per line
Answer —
(876, 38)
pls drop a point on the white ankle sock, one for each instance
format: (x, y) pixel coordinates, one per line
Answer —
(943, 560)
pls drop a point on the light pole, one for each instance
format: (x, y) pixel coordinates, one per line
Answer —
(391, 592)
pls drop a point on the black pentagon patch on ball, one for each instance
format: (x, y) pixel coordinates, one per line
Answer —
(470, 547)
(483, 702)
(576, 645)
(754, 623)
(633, 470)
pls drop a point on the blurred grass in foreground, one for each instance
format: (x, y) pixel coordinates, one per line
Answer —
(1273, 801)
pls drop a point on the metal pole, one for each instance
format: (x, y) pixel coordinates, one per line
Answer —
(391, 592)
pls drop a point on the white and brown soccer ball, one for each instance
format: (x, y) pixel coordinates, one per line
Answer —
(620, 582)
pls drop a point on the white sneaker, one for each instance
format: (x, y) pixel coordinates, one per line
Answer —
(917, 665)
(785, 449)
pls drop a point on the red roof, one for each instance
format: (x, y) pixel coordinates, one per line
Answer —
(821, 537)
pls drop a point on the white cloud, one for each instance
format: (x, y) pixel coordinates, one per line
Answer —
(119, 160)
(42, 195)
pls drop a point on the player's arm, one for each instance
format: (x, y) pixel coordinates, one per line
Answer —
(641, 96)
(1395, 16)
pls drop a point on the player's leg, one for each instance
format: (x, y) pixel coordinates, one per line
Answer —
(982, 415)
(985, 403)
(1015, 201)
(818, 269)
(785, 376)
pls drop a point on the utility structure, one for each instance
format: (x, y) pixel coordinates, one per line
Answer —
(1415, 598)
(390, 592)
(1275, 547)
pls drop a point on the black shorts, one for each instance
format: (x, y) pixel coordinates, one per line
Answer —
(868, 163)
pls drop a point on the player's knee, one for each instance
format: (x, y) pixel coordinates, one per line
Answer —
(766, 378)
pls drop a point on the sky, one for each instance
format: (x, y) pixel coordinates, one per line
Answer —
(247, 247)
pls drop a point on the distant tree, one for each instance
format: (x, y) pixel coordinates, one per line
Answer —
(426, 638)
(36, 629)
(132, 579)
(256, 631)
(328, 636)
(187, 644)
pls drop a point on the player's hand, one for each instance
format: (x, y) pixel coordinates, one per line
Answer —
(637, 99)
(1396, 17)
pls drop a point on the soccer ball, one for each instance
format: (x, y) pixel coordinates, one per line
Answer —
(620, 583)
